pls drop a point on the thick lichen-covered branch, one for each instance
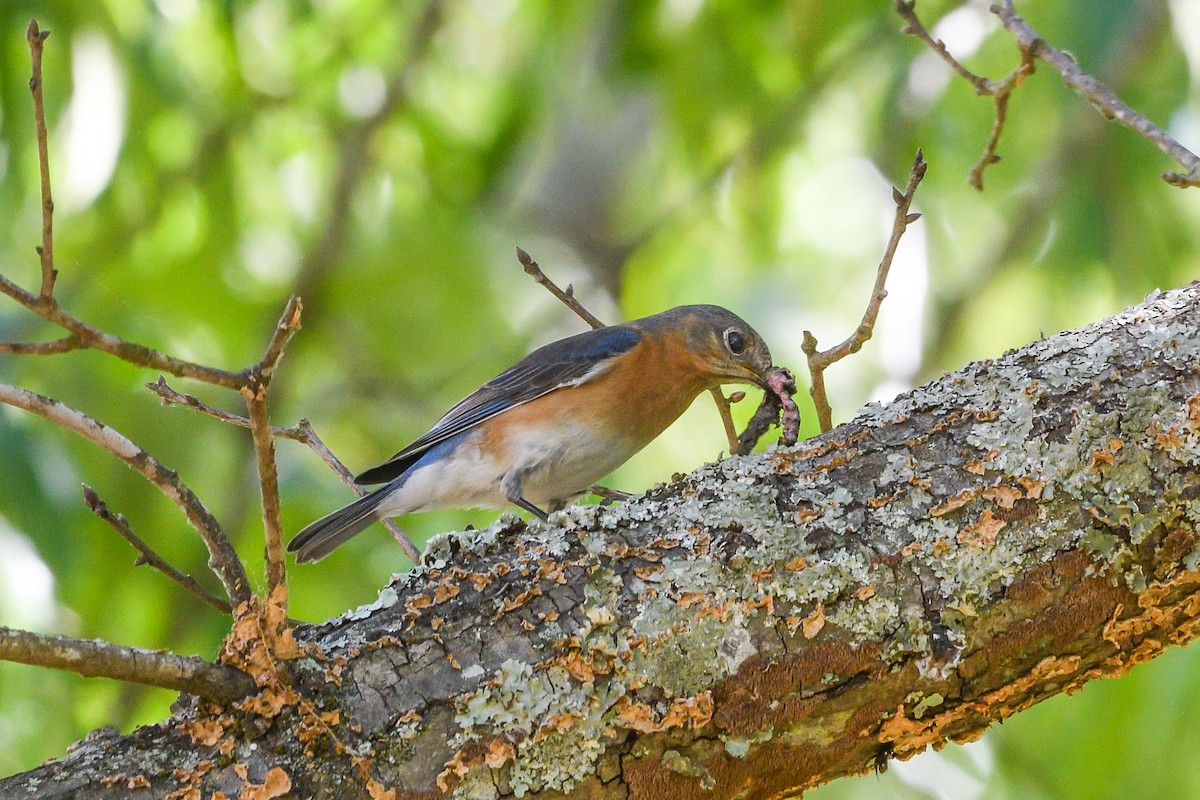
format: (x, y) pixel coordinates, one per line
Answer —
(765, 624)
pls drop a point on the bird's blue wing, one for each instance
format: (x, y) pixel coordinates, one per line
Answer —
(567, 362)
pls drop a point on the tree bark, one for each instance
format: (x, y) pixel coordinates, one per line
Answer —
(763, 625)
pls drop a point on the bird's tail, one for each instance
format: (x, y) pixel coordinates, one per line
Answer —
(320, 538)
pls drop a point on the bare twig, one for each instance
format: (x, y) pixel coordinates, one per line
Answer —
(301, 432)
(285, 329)
(147, 555)
(915, 28)
(1001, 94)
(94, 658)
(567, 296)
(171, 397)
(222, 558)
(43, 303)
(35, 38)
(64, 345)
(304, 433)
(724, 408)
(819, 361)
(1032, 46)
(255, 392)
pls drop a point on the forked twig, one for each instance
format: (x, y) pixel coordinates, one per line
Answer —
(1102, 98)
(1000, 91)
(222, 558)
(819, 361)
(1033, 47)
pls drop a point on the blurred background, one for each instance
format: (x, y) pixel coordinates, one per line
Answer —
(383, 159)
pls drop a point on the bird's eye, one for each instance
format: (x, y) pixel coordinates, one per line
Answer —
(735, 341)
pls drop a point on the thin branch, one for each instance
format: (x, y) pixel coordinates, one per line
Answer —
(725, 409)
(303, 432)
(723, 405)
(222, 558)
(819, 361)
(43, 304)
(1001, 94)
(171, 397)
(1102, 98)
(285, 329)
(64, 345)
(147, 555)
(35, 38)
(95, 658)
(915, 28)
(256, 393)
(140, 355)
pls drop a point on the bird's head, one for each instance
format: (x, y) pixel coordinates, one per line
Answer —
(723, 347)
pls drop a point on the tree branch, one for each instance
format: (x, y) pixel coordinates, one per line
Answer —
(81, 335)
(94, 658)
(64, 345)
(132, 352)
(1103, 99)
(222, 558)
(769, 623)
(819, 361)
(566, 296)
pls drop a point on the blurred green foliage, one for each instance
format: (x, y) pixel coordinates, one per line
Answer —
(210, 158)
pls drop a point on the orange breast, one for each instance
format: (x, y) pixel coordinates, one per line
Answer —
(645, 391)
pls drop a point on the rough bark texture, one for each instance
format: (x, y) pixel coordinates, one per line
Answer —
(765, 624)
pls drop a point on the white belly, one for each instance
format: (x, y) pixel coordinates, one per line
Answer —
(556, 466)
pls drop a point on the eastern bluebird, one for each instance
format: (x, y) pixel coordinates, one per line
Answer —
(542, 432)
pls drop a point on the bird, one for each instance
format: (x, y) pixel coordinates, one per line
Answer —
(542, 432)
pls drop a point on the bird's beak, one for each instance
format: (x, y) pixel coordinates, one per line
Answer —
(758, 377)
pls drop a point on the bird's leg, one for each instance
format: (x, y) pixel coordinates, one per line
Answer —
(511, 484)
(609, 496)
